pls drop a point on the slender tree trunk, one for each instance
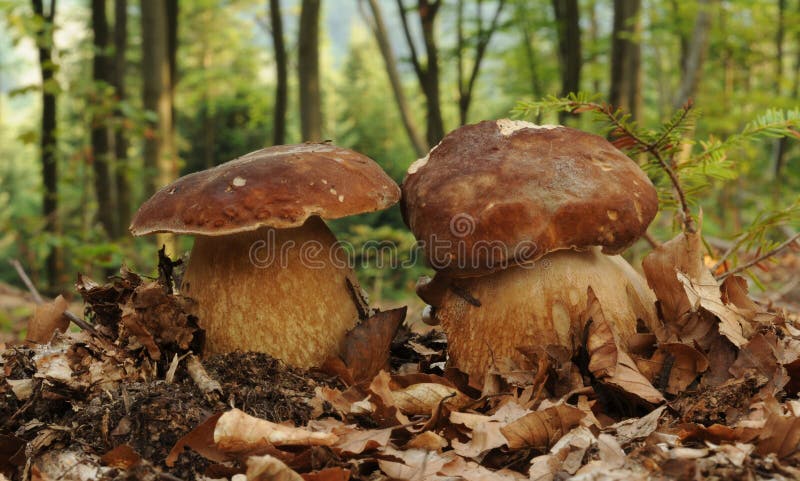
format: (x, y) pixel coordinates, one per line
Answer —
(282, 74)
(48, 140)
(308, 72)
(466, 83)
(159, 155)
(427, 13)
(567, 15)
(101, 151)
(382, 37)
(625, 91)
(121, 176)
(428, 74)
(172, 56)
(782, 144)
(695, 54)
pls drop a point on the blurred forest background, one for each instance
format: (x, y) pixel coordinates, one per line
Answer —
(104, 101)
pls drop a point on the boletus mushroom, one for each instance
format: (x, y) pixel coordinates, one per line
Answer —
(519, 221)
(266, 272)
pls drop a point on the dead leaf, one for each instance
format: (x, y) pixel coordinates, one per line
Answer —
(683, 253)
(123, 457)
(415, 464)
(328, 474)
(423, 398)
(674, 365)
(541, 429)
(238, 432)
(427, 440)
(486, 430)
(269, 468)
(201, 440)
(366, 347)
(461, 469)
(635, 429)
(352, 440)
(705, 292)
(46, 319)
(610, 364)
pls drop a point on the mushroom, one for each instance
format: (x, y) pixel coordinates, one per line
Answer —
(266, 272)
(519, 221)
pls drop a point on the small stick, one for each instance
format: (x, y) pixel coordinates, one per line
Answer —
(654, 243)
(27, 280)
(200, 376)
(760, 258)
(39, 300)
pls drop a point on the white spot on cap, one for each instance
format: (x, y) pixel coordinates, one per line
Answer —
(508, 126)
(324, 181)
(333, 191)
(239, 181)
(341, 198)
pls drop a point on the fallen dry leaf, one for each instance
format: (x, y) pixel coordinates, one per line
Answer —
(239, 432)
(269, 468)
(541, 429)
(201, 440)
(366, 346)
(415, 464)
(352, 440)
(423, 398)
(608, 362)
(635, 429)
(46, 319)
(486, 430)
(674, 365)
(328, 474)
(123, 457)
(428, 441)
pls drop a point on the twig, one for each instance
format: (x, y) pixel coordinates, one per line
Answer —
(654, 243)
(688, 220)
(760, 258)
(27, 281)
(39, 300)
(200, 376)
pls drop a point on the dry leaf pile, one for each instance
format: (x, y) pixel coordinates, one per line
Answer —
(709, 393)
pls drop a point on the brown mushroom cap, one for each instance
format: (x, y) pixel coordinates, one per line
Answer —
(507, 192)
(279, 186)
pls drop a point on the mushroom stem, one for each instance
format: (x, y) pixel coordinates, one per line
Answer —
(279, 291)
(540, 304)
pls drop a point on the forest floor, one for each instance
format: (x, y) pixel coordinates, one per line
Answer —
(127, 400)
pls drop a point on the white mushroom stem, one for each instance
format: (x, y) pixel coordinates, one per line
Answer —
(279, 291)
(539, 305)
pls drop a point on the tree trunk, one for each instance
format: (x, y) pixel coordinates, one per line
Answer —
(101, 152)
(782, 144)
(427, 14)
(466, 84)
(172, 55)
(48, 139)
(121, 178)
(382, 37)
(428, 74)
(282, 74)
(695, 54)
(308, 72)
(567, 16)
(626, 53)
(159, 156)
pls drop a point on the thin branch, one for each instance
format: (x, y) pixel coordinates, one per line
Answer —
(760, 258)
(37, 298)
(607, 110)
(421, 74)
(654, 243)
